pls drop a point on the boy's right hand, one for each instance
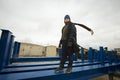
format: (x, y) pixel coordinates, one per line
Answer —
(59, 46)
(92, 32)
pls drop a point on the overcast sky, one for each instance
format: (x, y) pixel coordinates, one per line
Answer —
(40, 21)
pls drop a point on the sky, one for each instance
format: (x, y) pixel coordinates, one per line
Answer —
(40, 21)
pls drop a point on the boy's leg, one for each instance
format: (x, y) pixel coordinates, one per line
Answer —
(63, 58)
(64, 54)
(62, 62)
(70, 59)
(70, 56)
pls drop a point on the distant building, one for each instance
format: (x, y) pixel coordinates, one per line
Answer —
(51, 51)
(118, 50)
(33, 50)
(28, 49)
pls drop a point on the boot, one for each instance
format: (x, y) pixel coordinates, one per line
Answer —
(68, 70)
(59, 69)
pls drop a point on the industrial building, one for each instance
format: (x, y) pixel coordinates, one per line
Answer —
(118, 50)
(51, 51)
(33, 50)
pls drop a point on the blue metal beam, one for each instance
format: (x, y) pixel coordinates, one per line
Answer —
(109, 57)
(10, 50)
(95, 55)
(41, 67)
(40, 64)
(83, 72)
(48, 64)
(82, 54)
(4, 47)
(16, 50)
(35, 59)
(101, 52)
(98, 55)
(90, 55)
(115, 57)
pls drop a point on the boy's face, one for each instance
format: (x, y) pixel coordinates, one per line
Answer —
(66, 20)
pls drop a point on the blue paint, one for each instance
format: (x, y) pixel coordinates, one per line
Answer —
(9, 53)
(4, 47)
(81, 72)
(98, 55)
(41, 67)
(101, 55)
(60, 52)
(109, 57)
(35, 59)
(48, 64)
(115, 57)
(90, 55)
(104, 55)
(16, 50)
(75, 57)
(95, 55)
(82, 54)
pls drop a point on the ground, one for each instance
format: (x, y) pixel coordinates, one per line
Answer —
(105, 77)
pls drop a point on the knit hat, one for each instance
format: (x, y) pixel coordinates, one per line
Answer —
(66, 17)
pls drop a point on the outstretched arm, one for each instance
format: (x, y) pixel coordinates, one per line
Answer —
(85, 28)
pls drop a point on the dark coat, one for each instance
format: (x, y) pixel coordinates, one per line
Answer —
(72, 37)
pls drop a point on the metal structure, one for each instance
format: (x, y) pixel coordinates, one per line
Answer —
(96, 65)
(16, 50)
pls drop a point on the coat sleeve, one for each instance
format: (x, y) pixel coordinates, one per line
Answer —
(60, 42)
(83, 26)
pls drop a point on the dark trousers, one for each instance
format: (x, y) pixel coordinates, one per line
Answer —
(67, 53)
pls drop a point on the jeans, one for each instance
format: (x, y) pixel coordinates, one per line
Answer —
(67, 53)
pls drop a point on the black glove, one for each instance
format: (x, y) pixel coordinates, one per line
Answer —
(60, 43)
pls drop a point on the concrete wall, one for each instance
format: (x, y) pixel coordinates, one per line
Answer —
(27, 49)
(118, 50)
(51, 51)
